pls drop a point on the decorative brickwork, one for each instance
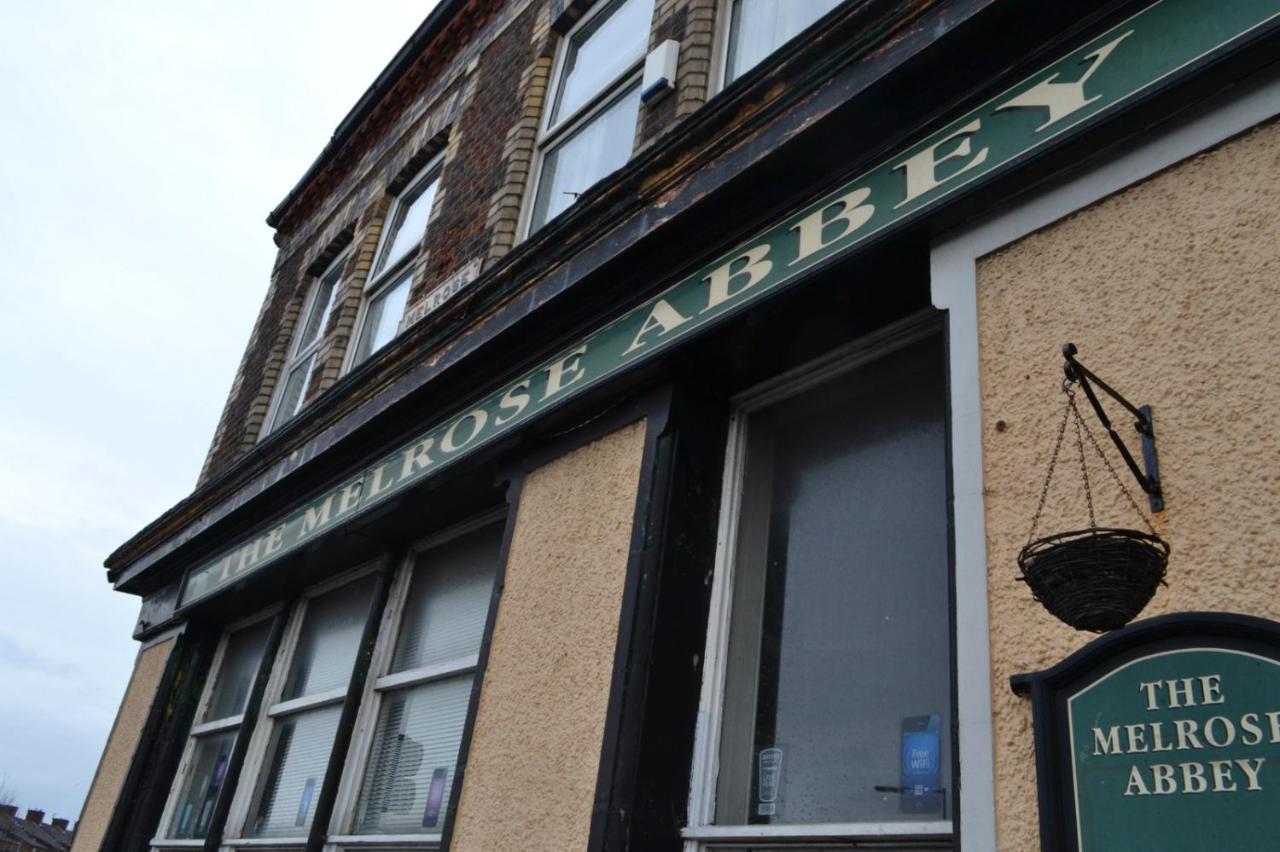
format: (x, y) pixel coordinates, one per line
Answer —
(520, 143)
(478, 91)
(692, 24)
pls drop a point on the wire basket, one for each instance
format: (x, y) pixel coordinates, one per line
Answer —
(1096, 579)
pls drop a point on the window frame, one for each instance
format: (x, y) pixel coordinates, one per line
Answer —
(273, 708)
(384, 279)
(566, 127)
(341, 833)
(719, 77)
(200, 730)
(702, 833)
(298, 353)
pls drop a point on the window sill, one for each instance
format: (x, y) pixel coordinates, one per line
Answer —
(923, 829)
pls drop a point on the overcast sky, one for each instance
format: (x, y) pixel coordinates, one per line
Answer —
(142, 143)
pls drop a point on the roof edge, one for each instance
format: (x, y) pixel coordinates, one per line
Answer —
(382, 84)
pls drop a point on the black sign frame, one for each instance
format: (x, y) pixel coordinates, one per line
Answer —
(1049, 690)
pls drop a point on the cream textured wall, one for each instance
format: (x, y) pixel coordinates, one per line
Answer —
(1171, 289)
(531, 773)
(121, 744)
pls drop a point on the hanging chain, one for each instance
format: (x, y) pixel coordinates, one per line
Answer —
(1120, 482)
(1053, 459)
(1081, 428)
(1072, 412)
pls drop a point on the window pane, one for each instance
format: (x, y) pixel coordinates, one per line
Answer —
(235, 675)
(759, 27)
(329, 641)
(318, 312)
(382, 320)
(409, 224)
(295, 388)
(838, 676)
(449, 600)
(200, 791)
(602, 49)
(415, 750)
(599, 147)
(295, 764)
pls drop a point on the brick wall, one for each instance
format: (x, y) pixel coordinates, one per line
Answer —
(474, 169)
(480, 100)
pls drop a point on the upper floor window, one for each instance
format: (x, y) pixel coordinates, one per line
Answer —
(589, 125)
(306, 344)
(759, 27)
(387, 291)
(828, 701)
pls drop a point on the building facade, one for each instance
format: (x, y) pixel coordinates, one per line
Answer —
(649, 404)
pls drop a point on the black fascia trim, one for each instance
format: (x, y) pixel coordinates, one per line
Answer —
(382, 84)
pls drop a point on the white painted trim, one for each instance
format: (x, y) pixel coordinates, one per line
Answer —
(176, 844)
(307, 702)
(361, 743)
(247, 787)
(954, 289)
(217, 725)
(720, 48)
(381, 279)
(426, 674)
(923, 829)
(384, 839)
(297, 355)
(271, 842)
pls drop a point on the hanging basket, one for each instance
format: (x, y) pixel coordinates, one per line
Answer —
(1096, 579)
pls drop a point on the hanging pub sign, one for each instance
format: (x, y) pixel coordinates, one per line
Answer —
(1163, 735)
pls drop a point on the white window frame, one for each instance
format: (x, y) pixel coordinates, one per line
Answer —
(296, 354)
(274, 708)
(387, 277)
(550, 135)
(199, 730)
(720, 50)
(341, 828)
(702, 834)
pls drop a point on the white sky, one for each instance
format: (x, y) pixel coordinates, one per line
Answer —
(142, 143)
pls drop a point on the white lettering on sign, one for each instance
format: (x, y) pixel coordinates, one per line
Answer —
(1192, 735)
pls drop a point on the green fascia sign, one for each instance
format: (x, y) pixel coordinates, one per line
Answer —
(1098, 77)
(1179, 750)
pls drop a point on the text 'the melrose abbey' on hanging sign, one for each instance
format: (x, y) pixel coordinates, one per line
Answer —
(1164, 735)
(1136, 56)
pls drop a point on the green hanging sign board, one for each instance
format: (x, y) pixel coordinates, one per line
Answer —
(1162, 736)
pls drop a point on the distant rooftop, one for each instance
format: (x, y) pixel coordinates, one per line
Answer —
(31, 833)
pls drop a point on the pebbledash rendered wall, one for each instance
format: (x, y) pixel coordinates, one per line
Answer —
(122, 743)
(535, 754)
(1171, 289)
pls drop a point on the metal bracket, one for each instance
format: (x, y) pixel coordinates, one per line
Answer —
(1148, 479)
